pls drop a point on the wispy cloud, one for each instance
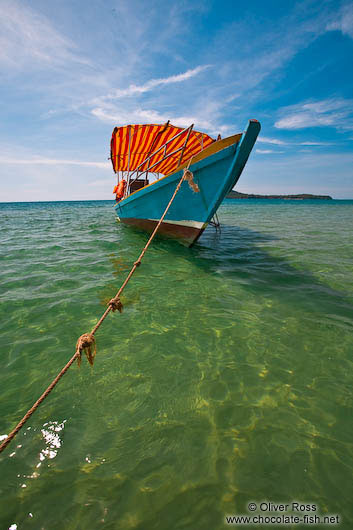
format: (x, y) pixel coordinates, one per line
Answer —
(334, 112)
(242, 75)
(266, 140)
(28, 38)
(268, 151)
(154, 83)
(273, 48)
(120, 116)
(123, 106)
(35, 161)
(344, 21)
(276, 141)
(68, 79)
(316, 143)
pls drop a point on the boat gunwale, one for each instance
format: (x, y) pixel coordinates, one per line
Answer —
(210, 150)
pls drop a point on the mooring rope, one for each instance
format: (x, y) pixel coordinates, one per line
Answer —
(87, 341)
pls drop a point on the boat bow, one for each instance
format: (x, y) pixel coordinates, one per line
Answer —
(215, 171)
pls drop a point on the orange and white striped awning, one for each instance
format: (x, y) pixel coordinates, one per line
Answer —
(132, 144)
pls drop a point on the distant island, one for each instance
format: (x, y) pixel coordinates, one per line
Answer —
(300, 197)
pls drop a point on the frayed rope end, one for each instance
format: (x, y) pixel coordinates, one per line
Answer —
(189, 176)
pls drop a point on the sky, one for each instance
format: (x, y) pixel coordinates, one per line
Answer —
(71, 71)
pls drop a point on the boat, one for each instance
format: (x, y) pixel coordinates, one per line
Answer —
(140, 153)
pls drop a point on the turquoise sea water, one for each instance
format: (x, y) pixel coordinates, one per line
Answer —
(227, 379)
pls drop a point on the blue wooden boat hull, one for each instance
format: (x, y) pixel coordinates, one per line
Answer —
(190, 211)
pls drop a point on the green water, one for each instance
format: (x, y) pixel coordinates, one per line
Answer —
(227, 379)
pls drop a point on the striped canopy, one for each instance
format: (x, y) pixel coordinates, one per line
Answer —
(146, 139)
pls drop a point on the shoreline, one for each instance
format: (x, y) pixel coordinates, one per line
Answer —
(296, 197)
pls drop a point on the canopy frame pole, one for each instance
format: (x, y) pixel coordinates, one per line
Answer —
(128, 164)
(165, 156)
(185, 144)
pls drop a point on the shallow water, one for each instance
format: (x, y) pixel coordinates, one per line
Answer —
(227, 379)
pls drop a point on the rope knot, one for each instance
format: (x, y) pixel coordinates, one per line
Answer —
(86, 343)
(115, 304)
(189, 176)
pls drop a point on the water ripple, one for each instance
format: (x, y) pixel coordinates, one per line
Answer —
(227, 378)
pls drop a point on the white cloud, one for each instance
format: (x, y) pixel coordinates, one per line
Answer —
(133, 82)
(275, 141)
(34, 161)
(153, 83)
(45, 178)
(334, 112)
(257, 61)
(344, 22)
(28, 38)
(205, 119)
(233, 78)
(119, 107)
(315, 143)
(267, 151)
